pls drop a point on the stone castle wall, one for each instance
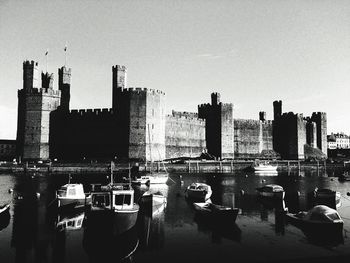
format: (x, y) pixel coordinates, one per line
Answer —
(184, 135)
(252, 137)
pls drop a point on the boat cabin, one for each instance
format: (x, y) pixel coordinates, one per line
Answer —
(114, 198)
(71, 191)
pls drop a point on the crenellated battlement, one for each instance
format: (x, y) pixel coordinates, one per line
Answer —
(89, 112)
(43, 91)
(119, 68)
(30, 63)
(142, 90)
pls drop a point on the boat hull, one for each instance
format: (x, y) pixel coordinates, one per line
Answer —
(198, 195)
(120, 221)
(73, 202)
(316, 228)
(217, 213)
(276, 195)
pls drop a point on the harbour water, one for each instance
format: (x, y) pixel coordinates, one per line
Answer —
(175, 233)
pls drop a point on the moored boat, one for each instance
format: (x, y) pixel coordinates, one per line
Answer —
(217, 212)
(151, 179)
(72, 196)
(271, 191)
(198, 191)
(116, 202)
(265, 167)
(320, 220)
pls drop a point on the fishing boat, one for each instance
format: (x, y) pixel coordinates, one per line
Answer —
(116, 203)
(217, 212)
(198, 191)
(271, 191)
(265, 167)
(326, 197)
(320, 219)
(72, 196)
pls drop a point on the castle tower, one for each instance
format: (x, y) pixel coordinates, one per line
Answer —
(31, 75)
(34, 107)
(262, 116)
(46, 80)
(219, 127)
(118, 82)
(277, 109)
(320, 118)
(64, 81)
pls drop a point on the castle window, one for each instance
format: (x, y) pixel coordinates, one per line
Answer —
(152, 126)
(152, 112)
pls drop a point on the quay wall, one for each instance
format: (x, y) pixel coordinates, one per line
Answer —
(292, 166)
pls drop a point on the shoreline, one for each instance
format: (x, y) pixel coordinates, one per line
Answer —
(186, 167)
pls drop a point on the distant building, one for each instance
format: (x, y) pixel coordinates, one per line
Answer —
(338, 141)
(7, 150)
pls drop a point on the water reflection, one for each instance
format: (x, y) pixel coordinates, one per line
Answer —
(36, 234)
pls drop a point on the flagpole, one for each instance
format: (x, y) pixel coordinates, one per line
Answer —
(65, 55)
(46, 56)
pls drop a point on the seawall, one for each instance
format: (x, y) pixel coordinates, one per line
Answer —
(186, 167)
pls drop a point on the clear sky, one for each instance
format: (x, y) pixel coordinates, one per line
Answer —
(252, 52)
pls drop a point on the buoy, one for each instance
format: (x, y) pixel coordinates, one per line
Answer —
(10, 190)
(263, 180)
(242, 192)
(37, 195)
(246, 176)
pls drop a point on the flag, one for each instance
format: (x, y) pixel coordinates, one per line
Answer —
(65, 47)
(47, 52)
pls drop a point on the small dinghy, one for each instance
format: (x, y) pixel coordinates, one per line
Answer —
(271, 191)
(320, 220)
(198, 191)
(217, 212)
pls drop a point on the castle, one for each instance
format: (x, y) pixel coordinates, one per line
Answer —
(137, 126)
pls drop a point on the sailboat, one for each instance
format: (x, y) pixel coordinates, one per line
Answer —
(154, 177)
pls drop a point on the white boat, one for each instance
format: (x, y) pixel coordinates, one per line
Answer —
(265, 167)
(320, 220)
(72, 195)
(198, 191)
(154, 178)
(115, 201)
(271, 191)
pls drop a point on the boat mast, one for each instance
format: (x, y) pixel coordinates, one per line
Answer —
(112, 168)
(150, 147)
